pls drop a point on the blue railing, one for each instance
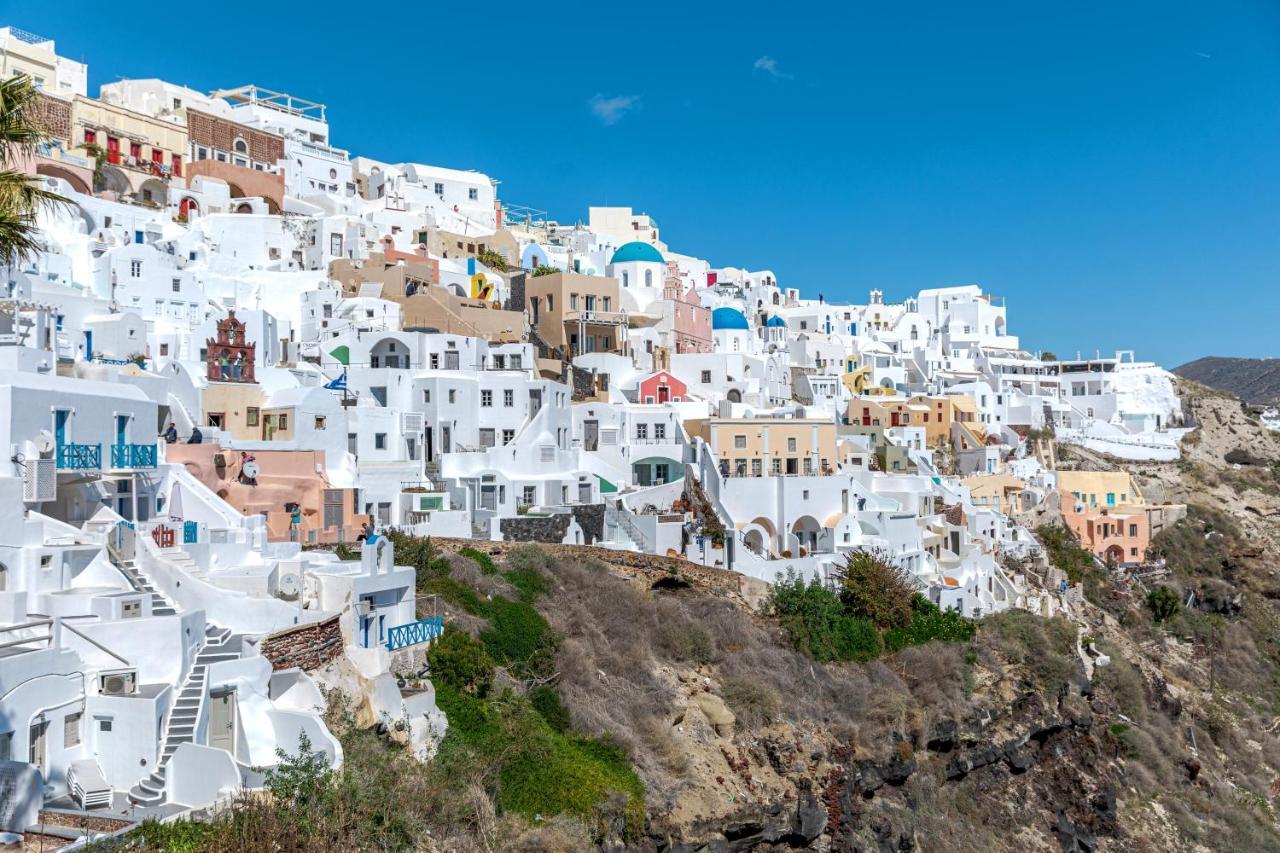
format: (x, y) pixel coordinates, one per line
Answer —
(133, 456)
(190, 530)
(415, 633)
(79, 457)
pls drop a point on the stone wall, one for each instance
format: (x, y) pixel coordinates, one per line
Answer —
(306, 646)
(515, 284)
(54, 116)
(547, 529)
(214, 132)
(591, 519)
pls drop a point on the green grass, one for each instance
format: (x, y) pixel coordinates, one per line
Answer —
(536, 769)
(481, 559)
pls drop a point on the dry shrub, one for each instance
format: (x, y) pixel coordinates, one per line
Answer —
(753, 703)
(468, 572)
(935, 673)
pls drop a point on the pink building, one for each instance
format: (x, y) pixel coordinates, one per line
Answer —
(662, 387)
(690, 319)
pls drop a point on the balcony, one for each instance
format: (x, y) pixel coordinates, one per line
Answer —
(597, 318)
(79, 457)
(133, 456)
(415, 633)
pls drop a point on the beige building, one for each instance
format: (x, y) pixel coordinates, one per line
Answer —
(757, 447)
(37, 57)
(577, 314)
(140, 154)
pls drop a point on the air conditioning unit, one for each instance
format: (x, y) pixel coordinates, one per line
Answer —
(412, 421)
(118, 683)
(40, 480)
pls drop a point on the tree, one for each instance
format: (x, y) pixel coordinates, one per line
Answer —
(21, 197)
(874, 587)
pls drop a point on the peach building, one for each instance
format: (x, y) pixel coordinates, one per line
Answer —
(283, 477)
(758, 447)
(1107, 513)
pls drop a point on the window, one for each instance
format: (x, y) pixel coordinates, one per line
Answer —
(177, 285)
(6, 746)
(240, 146)
(71, 730)
(757, 467)
(791, 445)
(642, 431)
(775, 466)
(486, 399)
(435, 361)
(660, 431)
(516, 363)
(335, 244)
(487, 437)
(473, 194)
(453, 395)
(135, 269)
(508, 398)
(319, 421)
(706, 377)
(1133, 530)
(251, 415)
(529, 495)
(439, 188)
(508, 436)
(380, 441)
(104, 724)
(164, 349)
(426, 395)
(284, 421)
(131, 609)
(739, 442)
(805, 494)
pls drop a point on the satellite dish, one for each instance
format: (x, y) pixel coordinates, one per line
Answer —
(250, 470)
(43, 441)
(289, 586)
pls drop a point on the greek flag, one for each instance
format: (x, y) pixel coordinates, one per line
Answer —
(339, 384)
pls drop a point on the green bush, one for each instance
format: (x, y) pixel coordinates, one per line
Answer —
(929, 623)
(460, 662)
(546, 701)
(1163, 603)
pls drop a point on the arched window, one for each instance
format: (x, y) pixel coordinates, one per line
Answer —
(625, 279)
(240, 146)
(648, 278)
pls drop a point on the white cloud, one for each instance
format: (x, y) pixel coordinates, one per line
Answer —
(769, 65)
(611, 110)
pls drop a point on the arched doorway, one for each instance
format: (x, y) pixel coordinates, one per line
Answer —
(244, 207)
(188, 206)
(734, 396)
(1115, 555)
(806, 530)
(78, 183)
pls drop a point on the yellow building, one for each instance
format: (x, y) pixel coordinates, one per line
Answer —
(756, 447)
(140, 154)
(997, 491)
(236, 408)
(1101, 488)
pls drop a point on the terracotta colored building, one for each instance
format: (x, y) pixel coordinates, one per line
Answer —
(230, 355)
(662, 387)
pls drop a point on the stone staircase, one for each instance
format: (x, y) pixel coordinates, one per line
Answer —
(160, 605)
(184, 717)
(182, 560)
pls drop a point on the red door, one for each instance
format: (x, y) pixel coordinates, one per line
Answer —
(664, 393)
(177, 165)
(157, 158)
(113, 149)
(893, 419)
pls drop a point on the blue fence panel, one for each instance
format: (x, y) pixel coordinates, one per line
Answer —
(415, 633)
(79, 457)
(190, 531)
(133, 456)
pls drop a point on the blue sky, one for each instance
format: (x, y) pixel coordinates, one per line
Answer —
(1112, 169)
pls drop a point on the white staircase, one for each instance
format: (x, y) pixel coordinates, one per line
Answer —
(160, 605)
(184, 717)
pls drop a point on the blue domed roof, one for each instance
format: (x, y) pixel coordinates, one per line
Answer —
(728, 318)
(635, 251)
(775, 321)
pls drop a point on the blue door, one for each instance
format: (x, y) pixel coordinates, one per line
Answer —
(60, 426)
(88, 346)
(122, 430)
(364, 627)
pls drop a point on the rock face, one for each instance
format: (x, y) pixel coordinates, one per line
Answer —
(1254, 380)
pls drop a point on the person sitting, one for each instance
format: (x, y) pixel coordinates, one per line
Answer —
(197, 437)
(367, 533)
